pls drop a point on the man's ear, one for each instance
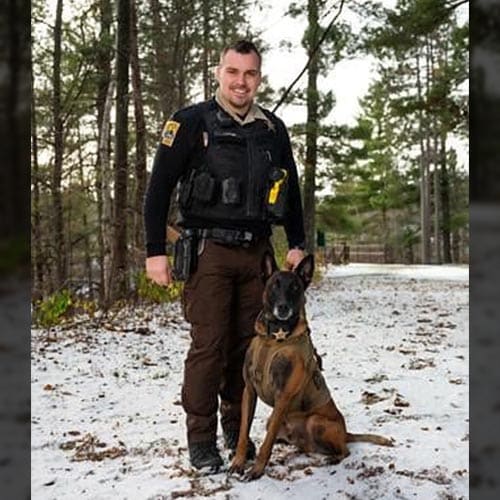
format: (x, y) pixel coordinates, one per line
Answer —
(268, 266)
(217, 70)
(305, 270)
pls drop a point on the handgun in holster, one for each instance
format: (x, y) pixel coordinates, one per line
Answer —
(276, 197)
(185, 254)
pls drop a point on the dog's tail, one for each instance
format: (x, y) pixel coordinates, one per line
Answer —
(369, 438)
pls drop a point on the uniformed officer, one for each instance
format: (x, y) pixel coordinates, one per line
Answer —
(237, 176)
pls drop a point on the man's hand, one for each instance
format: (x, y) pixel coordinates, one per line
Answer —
(158, 270)
(293, 257)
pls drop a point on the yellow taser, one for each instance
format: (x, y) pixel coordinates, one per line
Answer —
(275, 189)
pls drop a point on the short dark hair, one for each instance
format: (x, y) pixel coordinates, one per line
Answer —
(242, 47)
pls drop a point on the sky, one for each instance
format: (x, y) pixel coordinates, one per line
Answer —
(349, 79)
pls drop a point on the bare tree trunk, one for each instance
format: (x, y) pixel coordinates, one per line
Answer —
(120, 210)
(206, 49)
(444, 193)
(179, 54)
(87, 259)
(436, 191)
(437, 216)
(59, 244)
(105, 92)
(311, 129)
(140, 137)
(224, 24)
(424, 178)
(179, 63)
(456, 241)
(68, 226)
(176, 65)
(385, 233)
(104, 201)
(36, 226)
(444, 180)
(104, 56)
(163, 77)
(431, 63)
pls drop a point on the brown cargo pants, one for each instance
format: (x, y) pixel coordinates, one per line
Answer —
(221, 301)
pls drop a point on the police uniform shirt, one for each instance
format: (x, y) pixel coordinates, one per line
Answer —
(182, 138)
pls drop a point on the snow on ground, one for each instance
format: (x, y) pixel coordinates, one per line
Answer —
(107, 421)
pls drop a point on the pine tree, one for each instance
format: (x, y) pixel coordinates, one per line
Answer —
(413, 44)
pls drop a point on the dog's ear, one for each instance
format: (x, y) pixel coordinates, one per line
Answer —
(305, 270)
(268, 266)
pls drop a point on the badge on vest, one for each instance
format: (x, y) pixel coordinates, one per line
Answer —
(169, 132)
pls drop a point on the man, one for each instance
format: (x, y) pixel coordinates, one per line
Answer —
(237, 176)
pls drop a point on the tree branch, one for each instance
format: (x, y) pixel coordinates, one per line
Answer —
(311, 55)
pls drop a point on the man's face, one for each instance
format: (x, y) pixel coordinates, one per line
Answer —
(239, 78)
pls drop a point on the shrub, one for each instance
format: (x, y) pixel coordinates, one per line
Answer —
(51, 311)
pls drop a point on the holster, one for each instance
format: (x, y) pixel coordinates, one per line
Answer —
(185, 254)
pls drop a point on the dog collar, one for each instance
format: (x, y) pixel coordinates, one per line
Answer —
(277, 329)
(278, 334)
(280, 330)
(268, 326)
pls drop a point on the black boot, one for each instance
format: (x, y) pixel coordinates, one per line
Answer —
(205, 454)
(231, 440)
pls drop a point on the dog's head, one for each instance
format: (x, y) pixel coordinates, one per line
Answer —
(284, 297)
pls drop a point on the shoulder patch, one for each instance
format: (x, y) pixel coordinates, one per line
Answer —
(169, 132)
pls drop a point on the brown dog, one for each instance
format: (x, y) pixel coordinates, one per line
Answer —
(282, 368)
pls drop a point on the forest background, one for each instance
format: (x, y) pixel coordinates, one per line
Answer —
(106, 75)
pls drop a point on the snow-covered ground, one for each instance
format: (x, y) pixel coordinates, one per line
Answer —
(107, 421)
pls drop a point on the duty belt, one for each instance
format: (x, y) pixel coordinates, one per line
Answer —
(228, 236)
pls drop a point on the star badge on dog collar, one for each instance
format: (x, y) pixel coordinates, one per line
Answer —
(280, 334)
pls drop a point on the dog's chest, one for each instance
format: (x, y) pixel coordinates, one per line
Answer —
(268, 368)
(258, 367)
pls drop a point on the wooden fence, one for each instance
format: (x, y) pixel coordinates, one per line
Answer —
(344, 253)
(375, 253)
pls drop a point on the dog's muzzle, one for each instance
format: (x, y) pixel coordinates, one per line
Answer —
(282, 312)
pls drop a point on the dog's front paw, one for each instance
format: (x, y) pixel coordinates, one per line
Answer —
(254, 473)
(237, 465)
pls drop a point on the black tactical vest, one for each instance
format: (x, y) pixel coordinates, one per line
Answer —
(231, 180)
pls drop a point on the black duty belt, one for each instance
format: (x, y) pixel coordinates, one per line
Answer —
(232, 237)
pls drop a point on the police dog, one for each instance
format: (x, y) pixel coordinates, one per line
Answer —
(283, 369)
